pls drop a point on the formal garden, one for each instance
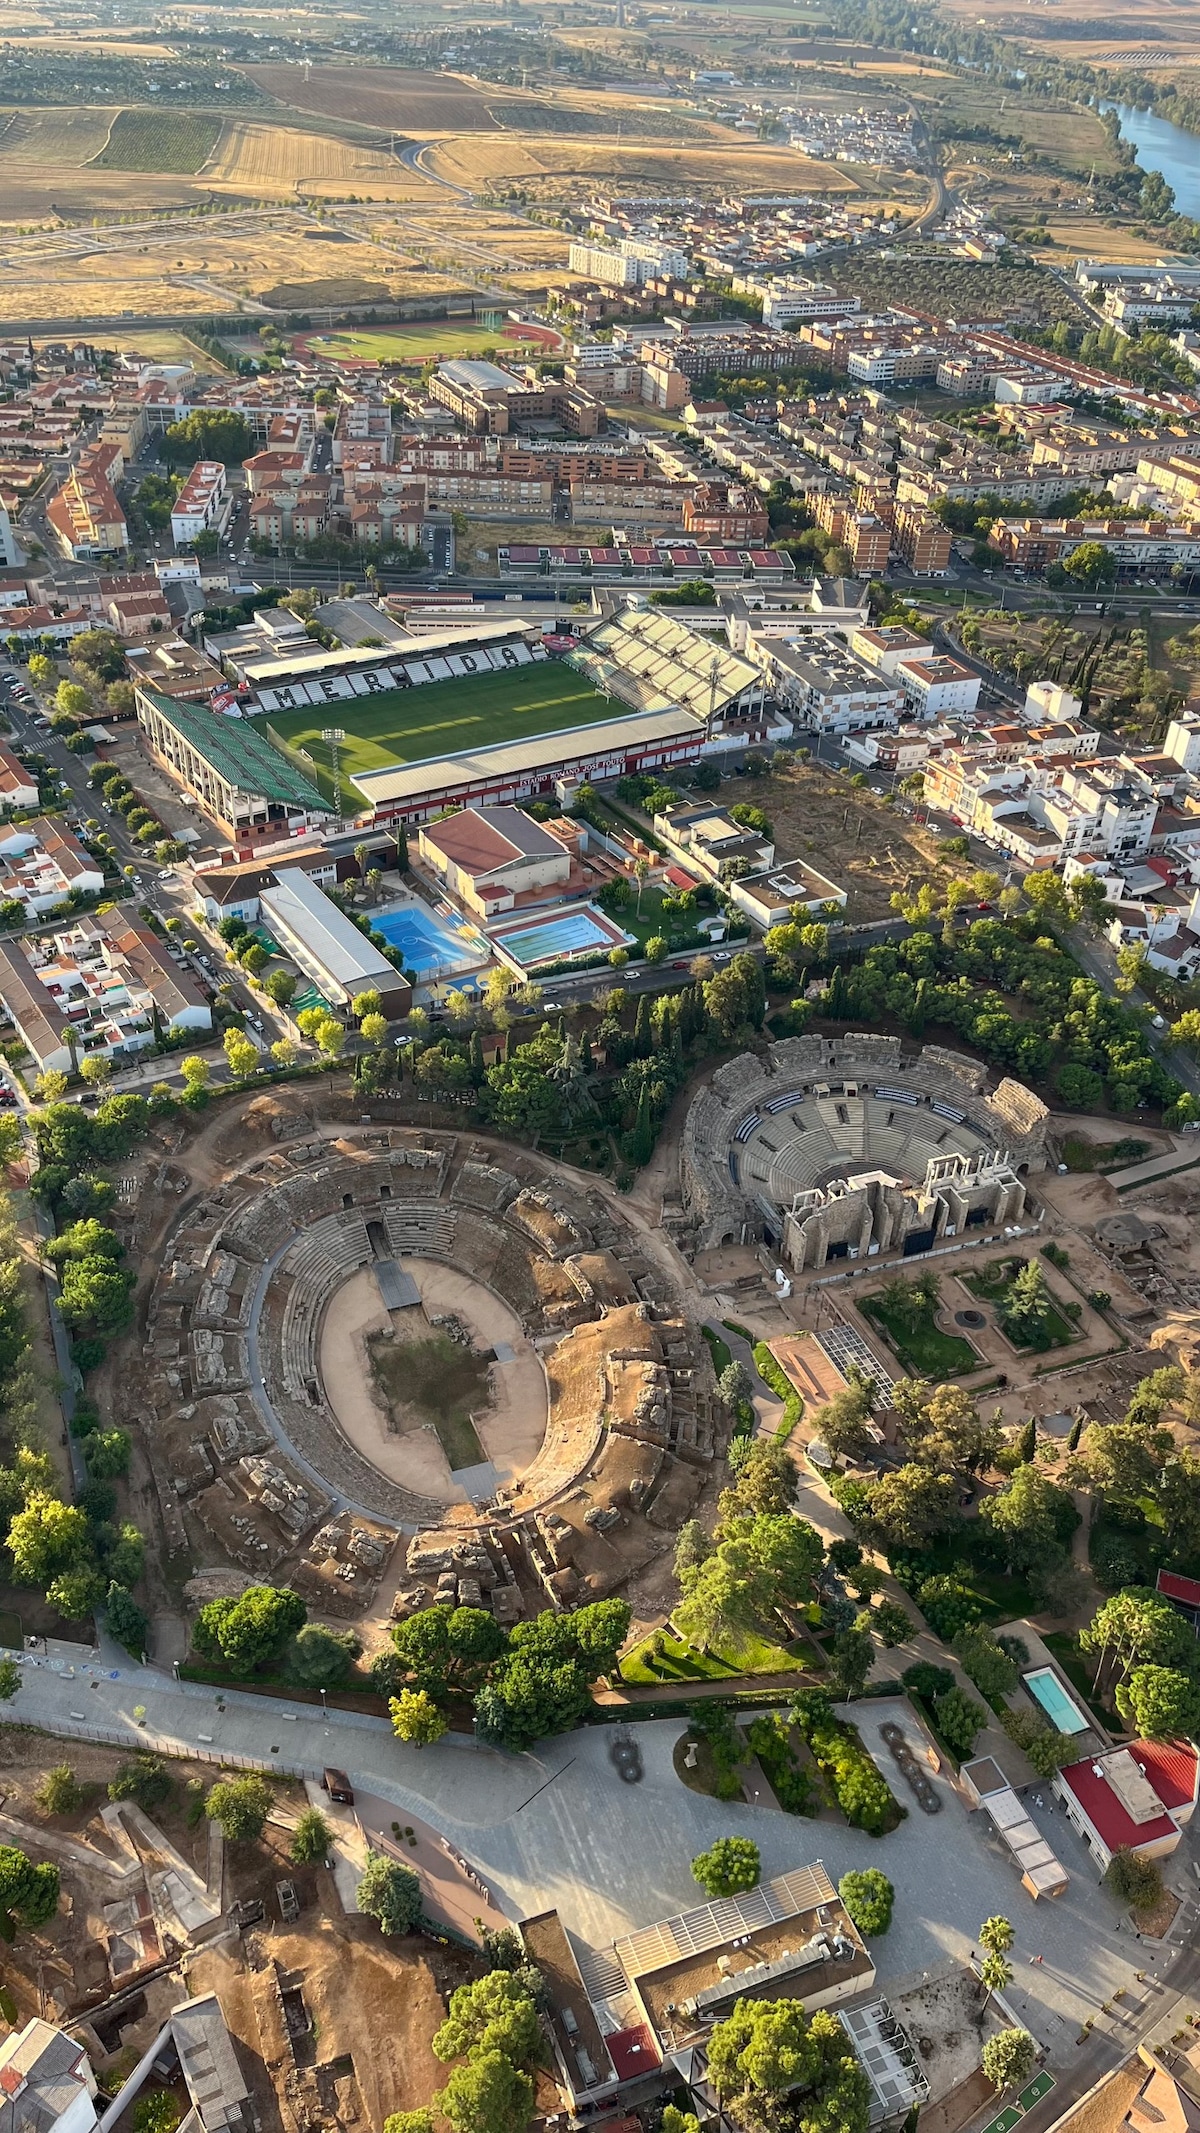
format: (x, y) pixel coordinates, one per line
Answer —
(1027, 1312)
(906, 1313)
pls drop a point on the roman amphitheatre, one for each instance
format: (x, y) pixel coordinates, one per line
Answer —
(360, 1332)
(379, 1331)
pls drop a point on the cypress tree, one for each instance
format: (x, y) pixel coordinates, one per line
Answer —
(585, 1053)
(642, 1040)
(1027, 1442)
(1075, 1433)
(402, 849)
(475, 1055)
(641, 1145)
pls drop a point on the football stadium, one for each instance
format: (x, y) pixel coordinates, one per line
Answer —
(442, 718)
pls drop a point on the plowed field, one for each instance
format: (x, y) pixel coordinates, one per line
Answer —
(402, 98)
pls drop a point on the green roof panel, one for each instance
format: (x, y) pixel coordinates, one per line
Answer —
(239, 751)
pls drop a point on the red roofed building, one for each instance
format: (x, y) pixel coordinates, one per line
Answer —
(1136, 1797)
(1183, 1593)
(632, 2051)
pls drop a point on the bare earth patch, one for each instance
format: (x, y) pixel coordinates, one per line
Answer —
(420, 1406)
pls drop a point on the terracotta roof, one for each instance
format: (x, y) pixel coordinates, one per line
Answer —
(1174, 1587)
(632, 2051)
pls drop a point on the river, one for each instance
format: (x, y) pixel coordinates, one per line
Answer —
(1161, 146)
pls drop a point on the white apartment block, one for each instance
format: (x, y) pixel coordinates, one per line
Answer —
(936, 687)
(202, 505)
(831, 692)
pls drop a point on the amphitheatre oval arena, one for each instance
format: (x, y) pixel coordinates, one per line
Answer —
(383, 1330)
(848, 1147)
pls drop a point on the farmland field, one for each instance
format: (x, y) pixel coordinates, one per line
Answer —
(399, 97)
(52, 136)
(551, 166)
(160, 141)
(440, 337)
(442, 717)
(261, 160)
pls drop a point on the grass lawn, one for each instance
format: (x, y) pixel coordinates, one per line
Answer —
(443, 717)
(681, 1662)
(436, 337)
(919, 1342)
(992, 1284)
(720, 1351)
(1002, 1597)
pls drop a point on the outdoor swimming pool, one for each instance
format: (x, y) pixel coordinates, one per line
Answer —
(1047, 1690)
(429, 946)
(584, 932)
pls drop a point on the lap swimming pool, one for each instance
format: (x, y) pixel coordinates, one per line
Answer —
(1047, 1690)
(566, 933)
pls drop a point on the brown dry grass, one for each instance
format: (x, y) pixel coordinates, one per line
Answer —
(851, 836)
(160, 276)
(278, 161)
(551, 163)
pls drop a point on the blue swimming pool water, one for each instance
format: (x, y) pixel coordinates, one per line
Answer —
(577, 932)
(427, 945)
(1045, 1688)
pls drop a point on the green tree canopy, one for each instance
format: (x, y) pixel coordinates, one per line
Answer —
(868, 1896)
(389, 1893)
(729, 1866)
(28, 1893)
(311, 1838)
(1160, 1702)
(1009, 2058)
(208, 433)
(246, 1632)
(240, 1806)
(768, 2049)
(495, 2013)
(487, 2094)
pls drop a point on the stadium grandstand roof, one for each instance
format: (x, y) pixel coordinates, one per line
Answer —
(405, 782)
(654, 662)
(240, 754)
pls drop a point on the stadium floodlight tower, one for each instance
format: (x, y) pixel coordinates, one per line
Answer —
(714, 675)
(333, 736)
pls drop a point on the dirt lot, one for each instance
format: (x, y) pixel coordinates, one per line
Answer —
(850, 835)
(373, 2006)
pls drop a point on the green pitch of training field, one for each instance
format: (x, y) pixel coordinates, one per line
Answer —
(442, 717)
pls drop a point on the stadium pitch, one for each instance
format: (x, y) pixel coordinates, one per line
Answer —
(442, 717)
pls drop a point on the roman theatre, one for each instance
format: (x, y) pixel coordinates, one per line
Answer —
(394, 1330)
(847, 1148)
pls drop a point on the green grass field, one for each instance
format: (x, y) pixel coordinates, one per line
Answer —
(444, 717)
(161, 141)
(416, 344)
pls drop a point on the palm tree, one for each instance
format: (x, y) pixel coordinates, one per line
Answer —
(996, 1935)
(995, 1973)
(71, 1040)
(641, 868)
